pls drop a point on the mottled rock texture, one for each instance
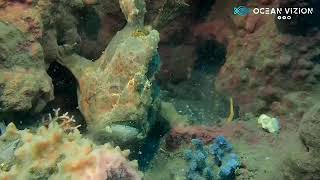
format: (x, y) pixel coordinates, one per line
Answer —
(24, 83)
(264, 64)
(310, 129)
(306, 165)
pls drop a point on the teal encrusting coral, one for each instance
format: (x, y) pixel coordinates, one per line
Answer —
(215, 162)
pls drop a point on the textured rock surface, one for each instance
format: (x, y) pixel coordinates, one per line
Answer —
(24, 84)
(259, 72)
(302, 166)
(310, 129)
(306, 165)
(22, 15)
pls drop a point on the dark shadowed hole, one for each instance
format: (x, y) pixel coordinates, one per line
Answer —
(151, 145)
(316, 59)
(65, 92)
(300, 24)
(203, 8)
(211, 55)
(89, 23)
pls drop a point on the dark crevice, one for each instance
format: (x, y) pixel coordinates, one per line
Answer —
(203, 8)
(211, 55)
(89, 23)
(316, 59)
(152, 143)
(65, 92)
(300, 24)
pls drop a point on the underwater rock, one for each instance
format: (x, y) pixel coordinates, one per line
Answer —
(116, 92)
(60, 23)
(310, 129)
(302, 166)
(259, 72)
(59, 151)
(306, 165)
(24, 83)
(177, 63)
(217, 29)
(22, 15)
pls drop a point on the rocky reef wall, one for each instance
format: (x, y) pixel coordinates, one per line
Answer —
(113, 49)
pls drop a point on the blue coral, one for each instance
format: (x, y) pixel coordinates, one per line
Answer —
(229, 166)
(202, 161)
(220, 147)
(198, 161)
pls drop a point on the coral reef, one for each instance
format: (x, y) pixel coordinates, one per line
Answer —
(24, 83)
(59, 151)
(201, 166)
(258, 72)
(266, 66)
